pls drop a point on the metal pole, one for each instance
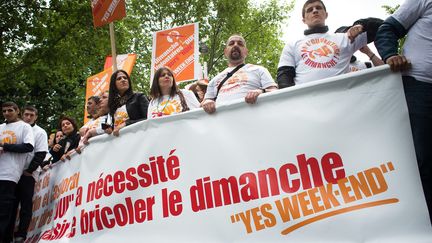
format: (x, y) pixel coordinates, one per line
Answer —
(113, 47)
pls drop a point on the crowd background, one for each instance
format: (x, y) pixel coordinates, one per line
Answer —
(126, 103)
(48, 49)
(46, 57)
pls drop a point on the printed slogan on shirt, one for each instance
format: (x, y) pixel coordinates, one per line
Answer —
(320, 53)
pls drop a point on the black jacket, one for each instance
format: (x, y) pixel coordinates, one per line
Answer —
(72, 141)
(136, 107)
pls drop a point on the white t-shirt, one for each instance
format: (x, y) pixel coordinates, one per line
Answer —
(92, 123)
(97, 124)
(320, 55)
(167, 105)
(121, 115)
(416, 17)
(249, 77)
(40, 145)
(12, 164)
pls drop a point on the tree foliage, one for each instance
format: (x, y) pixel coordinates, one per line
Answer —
(49, 47)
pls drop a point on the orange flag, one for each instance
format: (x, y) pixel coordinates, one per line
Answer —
(106, 11)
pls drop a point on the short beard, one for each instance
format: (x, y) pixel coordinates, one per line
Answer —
(235, 57)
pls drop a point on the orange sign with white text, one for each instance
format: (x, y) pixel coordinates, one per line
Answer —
(106, 11)
(124, 61)
(99, 83)
(177, 48)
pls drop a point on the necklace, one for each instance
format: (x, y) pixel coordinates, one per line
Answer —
(160, 112)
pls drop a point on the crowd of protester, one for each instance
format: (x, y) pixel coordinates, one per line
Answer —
(32, 151)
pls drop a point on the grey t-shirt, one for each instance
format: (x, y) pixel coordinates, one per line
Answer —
(416, 17)
(247, 78)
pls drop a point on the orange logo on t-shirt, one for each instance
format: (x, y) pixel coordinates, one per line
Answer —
(120, 117)
(234, 83)
(320, 53)
(167, 107)
(8, 137)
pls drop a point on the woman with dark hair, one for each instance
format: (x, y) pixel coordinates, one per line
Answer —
(167, 98)
(69, 142)
(126, 107)
(56, 138)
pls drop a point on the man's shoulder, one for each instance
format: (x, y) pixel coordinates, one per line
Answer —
(225, 71)
(255, 67)
(22, 124)
(19, 126)
(220, 74)
(311, 39)
(39, 130)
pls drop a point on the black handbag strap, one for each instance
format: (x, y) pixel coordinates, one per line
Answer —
(227, 77)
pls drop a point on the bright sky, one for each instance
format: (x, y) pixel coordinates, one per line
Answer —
(341, 12)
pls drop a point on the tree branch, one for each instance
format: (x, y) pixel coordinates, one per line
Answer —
(27, 61)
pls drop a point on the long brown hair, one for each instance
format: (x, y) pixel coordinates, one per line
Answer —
(156, 93)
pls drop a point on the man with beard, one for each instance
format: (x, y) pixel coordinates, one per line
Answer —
(239, 80)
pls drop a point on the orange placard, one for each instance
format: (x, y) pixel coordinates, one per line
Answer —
(99, 83)
(177, 48)
(124, 61)
(106, 11)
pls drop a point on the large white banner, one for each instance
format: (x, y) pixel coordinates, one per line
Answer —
(329, 161)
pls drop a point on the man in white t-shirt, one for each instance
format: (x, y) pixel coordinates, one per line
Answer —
(93, 115)
(16, 140)
(414, 19)
(248, 82)
(25, 187)
(319, 54)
